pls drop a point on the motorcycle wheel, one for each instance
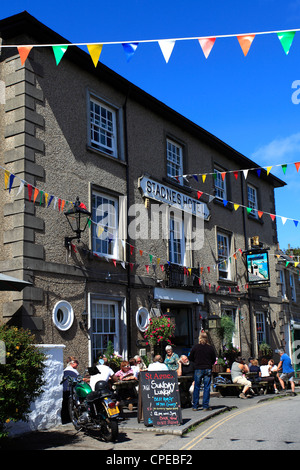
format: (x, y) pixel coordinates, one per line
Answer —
(110, 430)
(73, 412)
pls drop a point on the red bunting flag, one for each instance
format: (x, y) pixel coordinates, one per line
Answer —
(23, 52)
(115, 263)
(29, 191)
(162, 267)
(297, 165)
(147, 267)
(199, 194)
(206, 45)
(131, 266)
(272, 216)
(208, 269)
(131, 249)
(236, 174)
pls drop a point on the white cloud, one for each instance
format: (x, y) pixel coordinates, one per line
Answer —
(280, 150)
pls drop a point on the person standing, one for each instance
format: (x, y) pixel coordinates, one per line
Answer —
(71, 371)
(288, 372)
(203, 356)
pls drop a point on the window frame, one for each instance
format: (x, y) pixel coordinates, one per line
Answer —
(178, 242)
(169, 162)
(282, 283)
(113, 252)
(94, 331)
(111, 151)
(220, 185)
(253, 204)
(292, 287)
(260, 321)
(228, 238)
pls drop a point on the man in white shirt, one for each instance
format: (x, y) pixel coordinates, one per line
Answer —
(158, 364)
(105, 373)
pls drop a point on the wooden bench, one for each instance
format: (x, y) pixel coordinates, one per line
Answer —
(223, 388)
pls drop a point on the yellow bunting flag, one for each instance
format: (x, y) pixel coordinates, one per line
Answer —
(100, 230)
(95, 52)
(23, 52)
(245, 42)
(203, 178)
(6, 178)
(236, 206)
(269, 168)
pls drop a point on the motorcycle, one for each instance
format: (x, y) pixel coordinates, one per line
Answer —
(93, 410)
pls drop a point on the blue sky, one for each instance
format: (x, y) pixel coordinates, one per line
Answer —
(244, 101)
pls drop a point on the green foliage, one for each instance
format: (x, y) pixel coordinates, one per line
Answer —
(21, 378)
(265, 349)
(160, 329)
(114, 359)
(226, 330)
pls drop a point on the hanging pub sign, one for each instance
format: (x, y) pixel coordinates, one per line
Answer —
(258, 267)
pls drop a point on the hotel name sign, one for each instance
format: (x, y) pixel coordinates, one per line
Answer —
(162, 193)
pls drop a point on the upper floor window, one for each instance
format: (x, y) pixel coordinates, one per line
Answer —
(220, 185)
(105, 214)
(223, 243)
(252, 200)
(176, 240)
(293, 288)
(103, 127)
(282, 283)
(174, 160)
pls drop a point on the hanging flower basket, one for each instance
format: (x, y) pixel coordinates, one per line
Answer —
(159, 331)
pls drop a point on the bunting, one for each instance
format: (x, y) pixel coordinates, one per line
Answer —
(166, 45)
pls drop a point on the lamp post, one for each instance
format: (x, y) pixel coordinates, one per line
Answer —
(78, 218)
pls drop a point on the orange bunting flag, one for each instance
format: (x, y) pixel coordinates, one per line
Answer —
(223, 174)
(245, 42)
(297, 165)
(206, 45)
(23, 52)
(141, 252)
(260, 213)
(36, 192)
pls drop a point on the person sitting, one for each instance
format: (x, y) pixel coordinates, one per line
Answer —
(171, 358)
(255, 368)
(266, 373)
(185, 366)
(140, 363)
(125, 372)
(238, 369)
(157, 364)
(135, 368)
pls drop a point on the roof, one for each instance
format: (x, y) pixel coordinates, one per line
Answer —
(24, 23)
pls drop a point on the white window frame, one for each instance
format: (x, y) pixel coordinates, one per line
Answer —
(292, 287)
(105, 215)
(252, 200)
(102, 125)
(220, 185)
(282, 284)
(104, 326)
(261, 323)
(176, 239)
(223, 248)
(174, 160)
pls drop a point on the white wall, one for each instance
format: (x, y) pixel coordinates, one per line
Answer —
(45, 410)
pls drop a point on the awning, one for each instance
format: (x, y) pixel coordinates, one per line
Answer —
(8, 283)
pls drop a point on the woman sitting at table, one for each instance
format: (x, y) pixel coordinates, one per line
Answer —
(125, 372)
(265, 373)
(171, 359)
(255, 368)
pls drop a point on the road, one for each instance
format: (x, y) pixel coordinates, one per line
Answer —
(271, 425)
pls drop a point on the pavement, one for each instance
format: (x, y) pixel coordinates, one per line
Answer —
(190, 418)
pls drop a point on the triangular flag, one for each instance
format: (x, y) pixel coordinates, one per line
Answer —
(162, 267)
(204, 177)
(131, 266)
(131, 249)
(6, 178)
(36, 192)
(236, 206)
(283, 219)
(199, 194)
(95, 51)
(23, 52)
(296, 264)
(260, 213)
(166, 48)
(272, 216)
(59, 51)
(100, 230)
(50, 200)
(147, 267)
(284, 167)
(236, 174)
(141, 252)
(196, 177)
(223, 174)
(249, 209)
(297, 165)
(211, 198)
(21, 187)
(11, 180)
(41, 197)
(129, 49)
(296, 222)
(269, 168)
(245, 174)
(29, 187)
(258, 172)
(150, 258)
(245, 42)
(206, 45)
(286, 40)
(115, 262)
(225, 202)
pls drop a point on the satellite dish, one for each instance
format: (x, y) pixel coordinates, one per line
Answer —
(142, 319)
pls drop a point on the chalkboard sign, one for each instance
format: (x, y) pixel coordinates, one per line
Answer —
(159, 394)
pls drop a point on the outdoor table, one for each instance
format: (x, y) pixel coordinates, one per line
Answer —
(185, 382)
(127, 391)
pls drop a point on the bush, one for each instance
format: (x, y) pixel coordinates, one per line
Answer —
(21, 378)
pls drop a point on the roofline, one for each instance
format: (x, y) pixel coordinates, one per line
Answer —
(24, 23)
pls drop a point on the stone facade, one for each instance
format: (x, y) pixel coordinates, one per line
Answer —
(46, 128)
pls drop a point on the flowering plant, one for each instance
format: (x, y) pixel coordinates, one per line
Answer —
(159, 329)
(222, 361)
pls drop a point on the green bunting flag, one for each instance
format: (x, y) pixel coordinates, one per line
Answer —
(59, 52)
(286, 40)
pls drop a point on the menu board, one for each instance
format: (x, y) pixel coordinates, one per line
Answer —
(159, 393)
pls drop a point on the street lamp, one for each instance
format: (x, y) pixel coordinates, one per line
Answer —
(78, 218)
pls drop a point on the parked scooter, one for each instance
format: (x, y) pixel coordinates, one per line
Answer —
(90, 410)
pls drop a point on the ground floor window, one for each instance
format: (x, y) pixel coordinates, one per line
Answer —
(261, 328)
(232, 312)
(104, 326)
